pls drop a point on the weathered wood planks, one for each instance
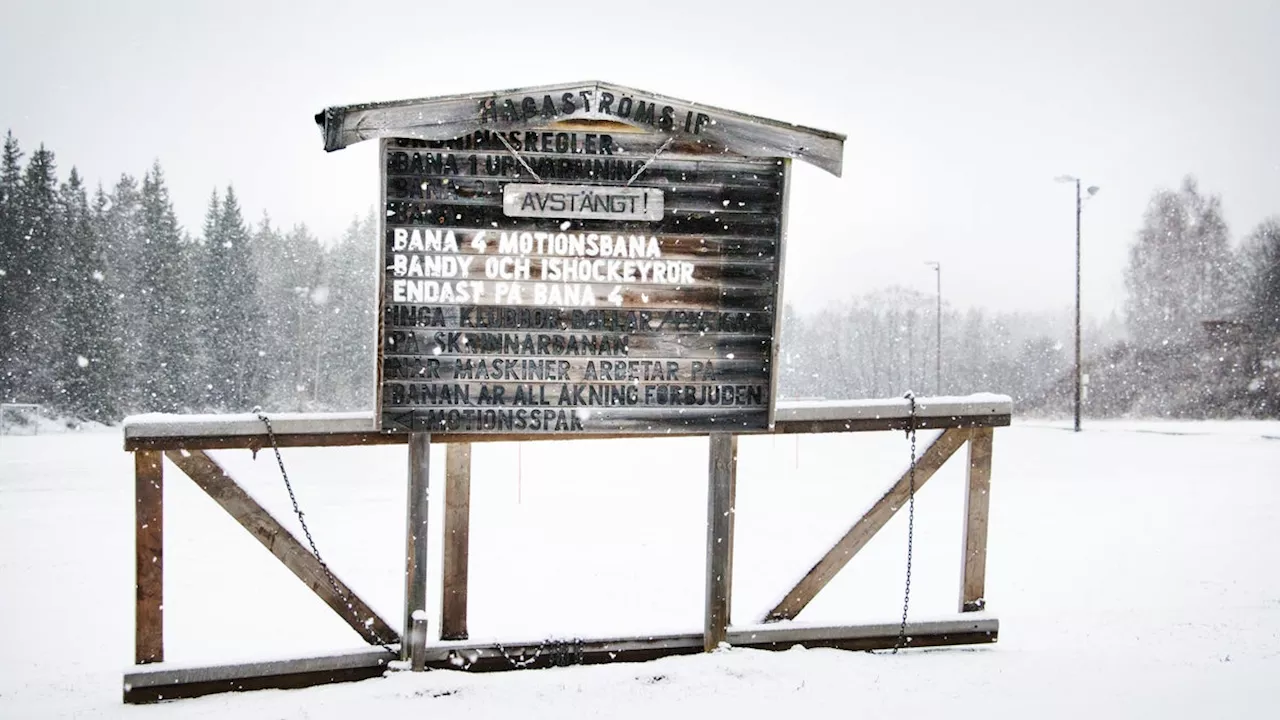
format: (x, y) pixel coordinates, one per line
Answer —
(454, 249)
(457, 542)
(148, 642)
(158, 683)
(721, 494)
(977, 501)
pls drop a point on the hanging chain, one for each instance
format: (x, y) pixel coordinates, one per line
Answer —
(649, 162)
(561, 653)
(333, 580)
(519, 157)
(911, 522)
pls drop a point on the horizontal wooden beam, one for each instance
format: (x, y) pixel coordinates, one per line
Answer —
(161, 682)
(215, 432)
(868, 637)
(158, 682)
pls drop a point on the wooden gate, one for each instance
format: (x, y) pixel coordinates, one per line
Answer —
(184, 441)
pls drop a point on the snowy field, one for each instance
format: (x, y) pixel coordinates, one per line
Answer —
(1135, 569)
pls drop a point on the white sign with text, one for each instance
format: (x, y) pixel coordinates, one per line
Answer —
(581, 201)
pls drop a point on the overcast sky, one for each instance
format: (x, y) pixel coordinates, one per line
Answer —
(958, 114)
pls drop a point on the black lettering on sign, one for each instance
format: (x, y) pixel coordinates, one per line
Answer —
(667, 120)
(706, 395)
(644, 112)
(519, 420)
(549, 109)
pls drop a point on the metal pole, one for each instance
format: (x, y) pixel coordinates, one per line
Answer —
(937, 317)
(1077, 372)
(937, 377)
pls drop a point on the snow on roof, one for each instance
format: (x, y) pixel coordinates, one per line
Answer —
(454, 116)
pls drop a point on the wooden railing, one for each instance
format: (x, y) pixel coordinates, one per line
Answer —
(184, 439)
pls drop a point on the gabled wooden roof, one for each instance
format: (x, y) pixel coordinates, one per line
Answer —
(453, 116)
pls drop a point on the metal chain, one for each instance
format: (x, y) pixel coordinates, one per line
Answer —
(523, 662)
(519, 157)
(649, 162)
(561, 653)
(333, 580)
(911, 522)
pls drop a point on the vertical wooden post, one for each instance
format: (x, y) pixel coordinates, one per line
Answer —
(148, 639)
(457, 541)
(723, 472)
(417, 642)
(415, 571)
(976, 505)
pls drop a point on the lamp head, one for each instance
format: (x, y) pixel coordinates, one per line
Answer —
(1066, 179)
(1092, 190)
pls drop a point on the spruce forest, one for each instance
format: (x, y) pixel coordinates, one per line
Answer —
(109, 307)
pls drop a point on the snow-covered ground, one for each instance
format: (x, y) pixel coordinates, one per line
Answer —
(1133, 568)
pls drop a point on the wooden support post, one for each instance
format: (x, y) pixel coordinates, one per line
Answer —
(976, 506)
(866, 528)
(415, 570)
(217, 484)
(418, 641)
(457, 539)
(721, 491)
(148, 638)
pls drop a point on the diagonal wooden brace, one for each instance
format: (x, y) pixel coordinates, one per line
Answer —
(866, 528)
(275, 537)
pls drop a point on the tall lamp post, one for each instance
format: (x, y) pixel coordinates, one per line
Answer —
(1092, 189)
(937, 375)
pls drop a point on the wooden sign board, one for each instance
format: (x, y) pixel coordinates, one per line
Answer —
(563, 267)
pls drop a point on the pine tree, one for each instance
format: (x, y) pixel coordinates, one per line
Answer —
(106, 371)
(10, 271)
(233, 314)
(346, 379)
(163, 266)
(38, 332)
(203, 361)
(85, 364)
(120, 223)
(286, 278)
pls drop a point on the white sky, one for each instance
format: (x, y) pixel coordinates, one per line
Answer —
(958, 114)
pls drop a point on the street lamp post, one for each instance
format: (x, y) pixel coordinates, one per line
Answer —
(937, 375)
(1092, 189)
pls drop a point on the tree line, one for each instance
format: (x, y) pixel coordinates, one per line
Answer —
(1183, 271)
(883, 343)
(108, 306)
(1199, 335)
